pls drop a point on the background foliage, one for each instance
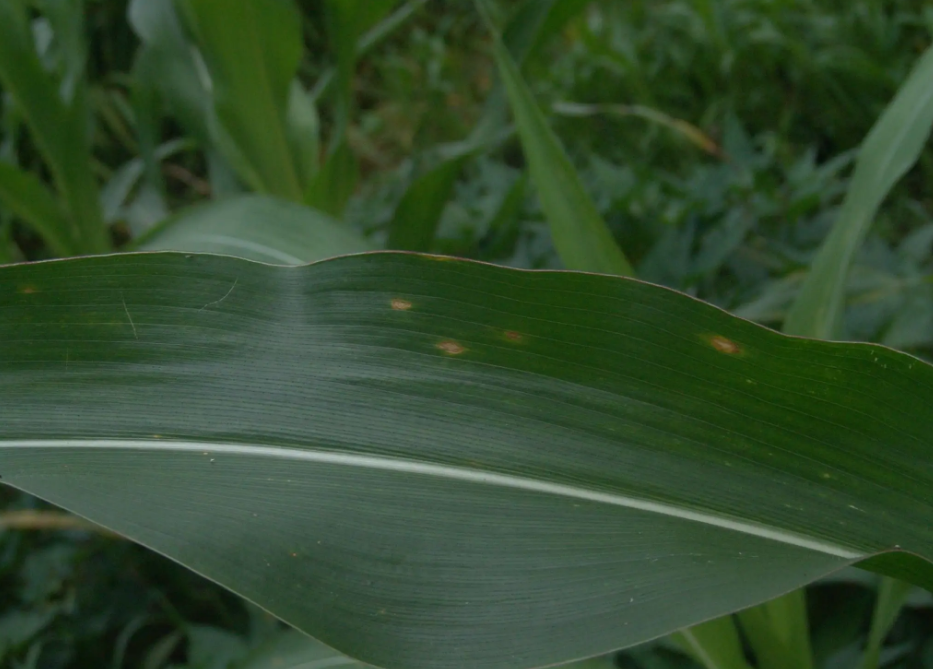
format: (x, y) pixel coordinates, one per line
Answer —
(715, 137)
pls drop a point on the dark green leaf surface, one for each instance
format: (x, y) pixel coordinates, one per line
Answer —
(426, 462)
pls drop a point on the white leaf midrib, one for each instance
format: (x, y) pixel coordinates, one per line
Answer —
(452, 473)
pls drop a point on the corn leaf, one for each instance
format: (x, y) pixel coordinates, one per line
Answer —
(407, 455)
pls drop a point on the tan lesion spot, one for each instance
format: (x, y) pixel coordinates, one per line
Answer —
(28, 290)
(451, 347)
(400, 305)
(512, 335)
(724, 345)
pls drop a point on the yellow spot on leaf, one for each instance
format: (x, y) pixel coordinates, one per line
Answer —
(28, 290)
(401, 305)
(451, 347)
(724, 345)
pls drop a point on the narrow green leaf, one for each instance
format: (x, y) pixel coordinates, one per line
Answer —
(147, 110)
(347, 20)
(369, 40)
(289, 233)
(404, 455)
(168, 61)
(29, 199)
(505, 226)
(778, 632)
(714, 644)
(534, 22)
(332, 186)
(66, 18)
(59, 130)
(889, 150)
(252, 49)
(531, 24)
(303, 128)
(892, 594)
(580, 236)
(125, 179)
(771, 651)
(414, 223)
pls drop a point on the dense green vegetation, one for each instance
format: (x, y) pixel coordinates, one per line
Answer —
(715, 138)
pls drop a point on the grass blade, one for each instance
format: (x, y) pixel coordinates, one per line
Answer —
(30, 199)
(889, 150)
(714, 644)
(580, 236)
(892, 594)
(59, 130)
(414, 223)
(252, 49)
(778, 632)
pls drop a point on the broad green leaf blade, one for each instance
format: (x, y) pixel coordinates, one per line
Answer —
(256, 227)
(252, 49)
(580, 235)
(403, 455)
(889, 150)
